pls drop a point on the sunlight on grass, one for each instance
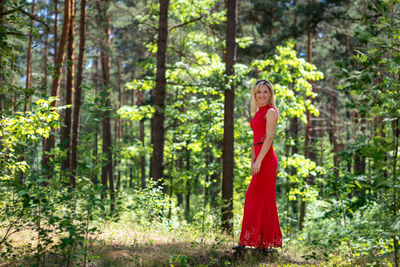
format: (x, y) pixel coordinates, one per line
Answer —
(126, 242)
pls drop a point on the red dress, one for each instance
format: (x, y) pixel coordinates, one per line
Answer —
(260, 225)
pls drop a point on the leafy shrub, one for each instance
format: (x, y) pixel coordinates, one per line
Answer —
(150, 203)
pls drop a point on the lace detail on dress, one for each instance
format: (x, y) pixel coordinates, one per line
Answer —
(248, 240)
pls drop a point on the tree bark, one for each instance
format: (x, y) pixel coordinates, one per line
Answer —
(396, 135)
(55, 31)
(1, 68)
(65, 138)
(78, 89)
(228, 156)
(157, 128)
(187, 197)
(96, 82)
(295, 37)
(46, 53)
(49, 143)
(117, 122)
(335, 132)
(29, 58)
(294, 122)
(61, 50)
(308, 130)
(141, 138)
(107, 169)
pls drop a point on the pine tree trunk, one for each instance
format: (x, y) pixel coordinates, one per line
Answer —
(383, 143)
(308, 131)
(96, 82)
(55, 31)
(78, 90)
(117, 121)
(141, 138)
(157, 127)
(216, 180)
(228, 156)
(29, 58)
(49, 143)
(293, 122)
(46, 54)
(207, 160)
(107, 169)
(396, 135)
(1, 68)
(187, 197)
(295, 37)
(65, 138)
(28, 85)
(334, 133)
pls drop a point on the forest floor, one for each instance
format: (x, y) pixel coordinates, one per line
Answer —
(158, 244)
(124, 246)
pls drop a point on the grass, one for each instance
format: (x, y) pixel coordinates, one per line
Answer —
(128, 243)
(162, 245)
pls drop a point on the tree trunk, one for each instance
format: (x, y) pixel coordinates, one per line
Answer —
(187, 197)
(65, 138)
(206, 189)
(396, 135)
(107, 169)
(157, 128)
(118, 180)
(29, 59)
(96, 82)
(383, 143)
(216, 182)
(131, 177)
(49, 143)
(308, 131)
(295, 24)
(46, 53)
(55, 31)
(61, 50)
(141, 138)
(2, 2)
(228, 157)
(293, 122)
(117, 121)
(78, 89)
(335, 131)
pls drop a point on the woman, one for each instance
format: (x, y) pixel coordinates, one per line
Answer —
(260, 225)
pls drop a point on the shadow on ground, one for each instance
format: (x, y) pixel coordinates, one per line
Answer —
(185, 254)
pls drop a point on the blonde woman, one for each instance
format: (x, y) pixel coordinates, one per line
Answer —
(260, 225)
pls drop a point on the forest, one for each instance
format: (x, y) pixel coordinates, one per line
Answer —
(125, 134)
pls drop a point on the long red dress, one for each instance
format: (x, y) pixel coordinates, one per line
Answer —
(260, 225)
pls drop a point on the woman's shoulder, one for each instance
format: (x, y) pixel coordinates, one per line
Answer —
(273, 112)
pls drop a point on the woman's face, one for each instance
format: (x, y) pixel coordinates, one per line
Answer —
(262, 95)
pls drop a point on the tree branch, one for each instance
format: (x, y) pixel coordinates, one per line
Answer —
(15, 33)
(28, 14)
(185, 23)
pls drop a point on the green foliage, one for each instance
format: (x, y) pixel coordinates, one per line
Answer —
(135, 113)
(21, 131)
(60, 216)
(300, 169)
(149, 203)
(355, 239)
(292, 77)
(349, 216)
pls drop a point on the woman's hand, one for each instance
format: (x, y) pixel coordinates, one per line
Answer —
(256, 167)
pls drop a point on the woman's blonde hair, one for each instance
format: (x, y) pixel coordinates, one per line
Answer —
(253, 103)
